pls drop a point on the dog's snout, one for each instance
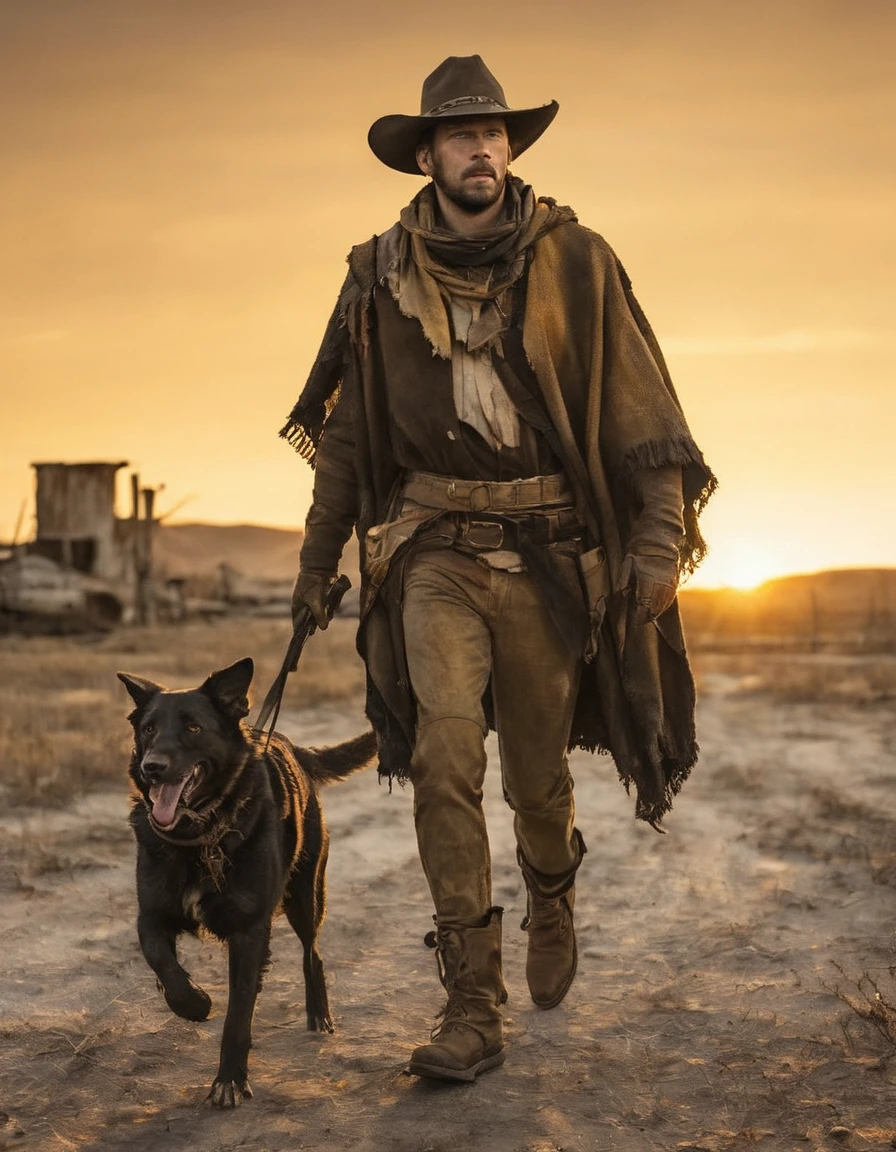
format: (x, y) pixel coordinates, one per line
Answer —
(153, 768)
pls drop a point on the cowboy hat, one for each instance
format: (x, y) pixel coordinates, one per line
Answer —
(461, 86)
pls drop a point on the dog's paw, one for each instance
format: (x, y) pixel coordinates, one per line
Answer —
(190, 1002)
(229, 1093)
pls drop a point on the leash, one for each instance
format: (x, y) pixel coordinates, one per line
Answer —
(304, 627)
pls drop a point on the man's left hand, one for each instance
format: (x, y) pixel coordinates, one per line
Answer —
(654, 580)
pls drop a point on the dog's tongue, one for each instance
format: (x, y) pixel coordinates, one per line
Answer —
(164, 802)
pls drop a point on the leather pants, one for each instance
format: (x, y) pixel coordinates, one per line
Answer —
(465, 624)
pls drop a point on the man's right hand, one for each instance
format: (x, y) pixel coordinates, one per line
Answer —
(653, 581)
(310, 591)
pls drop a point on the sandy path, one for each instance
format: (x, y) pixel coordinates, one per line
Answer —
(700, 1018)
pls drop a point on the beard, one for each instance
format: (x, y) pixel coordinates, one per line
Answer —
(471, 200)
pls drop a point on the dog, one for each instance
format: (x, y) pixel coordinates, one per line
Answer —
(229, 830)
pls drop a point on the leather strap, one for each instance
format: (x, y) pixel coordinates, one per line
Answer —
(456, 495)
(305, 626)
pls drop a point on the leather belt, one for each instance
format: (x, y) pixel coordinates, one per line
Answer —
(490, 532)
(457, 495)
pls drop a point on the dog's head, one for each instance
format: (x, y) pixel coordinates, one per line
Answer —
(187, 743)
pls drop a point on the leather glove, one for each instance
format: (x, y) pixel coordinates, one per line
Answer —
(654, 580)
(310, 591)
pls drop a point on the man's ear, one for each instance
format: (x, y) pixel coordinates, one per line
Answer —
(424, 159)
(228, 687)
(140, 691)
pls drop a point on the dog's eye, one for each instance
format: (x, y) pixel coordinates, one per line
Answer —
(149, 729)
(193, 728)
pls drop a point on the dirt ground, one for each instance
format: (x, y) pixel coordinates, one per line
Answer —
(736, 980)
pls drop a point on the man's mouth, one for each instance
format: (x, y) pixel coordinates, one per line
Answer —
(483, 172)
(166, 798)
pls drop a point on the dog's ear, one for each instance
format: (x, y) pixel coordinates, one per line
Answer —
(141, 691)
(229, 687)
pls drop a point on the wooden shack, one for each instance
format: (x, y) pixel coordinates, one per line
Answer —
(76, 522)
(78, 529)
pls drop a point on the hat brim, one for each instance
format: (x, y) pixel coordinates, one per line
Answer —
(394, 139)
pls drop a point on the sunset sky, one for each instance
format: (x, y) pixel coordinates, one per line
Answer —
(182, 179)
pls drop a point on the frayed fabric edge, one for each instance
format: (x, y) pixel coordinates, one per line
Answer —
(698, 484)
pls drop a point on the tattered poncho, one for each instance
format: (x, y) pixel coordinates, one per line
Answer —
(613, 410)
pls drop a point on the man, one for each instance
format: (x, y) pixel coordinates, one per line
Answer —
(491, 411)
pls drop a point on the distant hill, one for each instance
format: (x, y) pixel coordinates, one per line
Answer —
(198, 550)
(859, 603)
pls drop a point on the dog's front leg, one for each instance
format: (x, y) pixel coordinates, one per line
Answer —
(158, 940)
(248, 956)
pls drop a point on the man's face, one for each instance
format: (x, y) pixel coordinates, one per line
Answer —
(468, 161)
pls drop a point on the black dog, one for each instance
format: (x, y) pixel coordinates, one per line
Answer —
(229, 828)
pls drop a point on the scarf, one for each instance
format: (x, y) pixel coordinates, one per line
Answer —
(417, 259)
(426, 264)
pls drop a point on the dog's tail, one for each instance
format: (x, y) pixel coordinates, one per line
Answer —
(324, 765)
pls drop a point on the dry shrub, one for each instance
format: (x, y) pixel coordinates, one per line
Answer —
(63, 726)
(870, 999)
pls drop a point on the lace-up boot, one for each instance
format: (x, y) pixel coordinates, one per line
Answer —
(552, 956)
(468, 1039)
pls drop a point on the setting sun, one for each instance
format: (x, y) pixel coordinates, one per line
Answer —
(747, 581)
(750, 568)
(738, 563)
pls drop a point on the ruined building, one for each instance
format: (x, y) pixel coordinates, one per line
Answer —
(76, 522)
(84, 561)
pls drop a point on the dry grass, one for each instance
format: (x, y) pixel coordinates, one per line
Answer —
(796, 678)
(63, 727)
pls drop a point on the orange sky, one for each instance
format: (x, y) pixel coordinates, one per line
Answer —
(181, 181)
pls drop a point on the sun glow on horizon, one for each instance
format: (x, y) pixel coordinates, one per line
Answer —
(741, 566)
(747, 582)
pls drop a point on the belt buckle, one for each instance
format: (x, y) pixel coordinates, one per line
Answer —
(485, 534)
(480, 498)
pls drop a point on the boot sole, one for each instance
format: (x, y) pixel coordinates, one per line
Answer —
(439, 1072)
